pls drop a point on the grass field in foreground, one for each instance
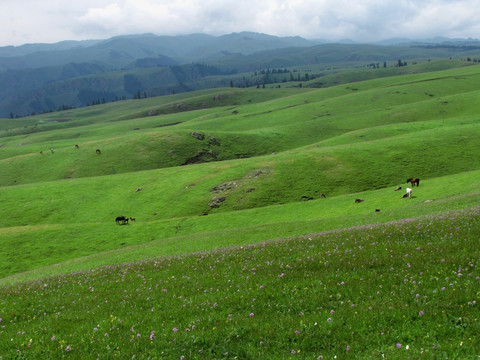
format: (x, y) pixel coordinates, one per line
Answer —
(407, 289)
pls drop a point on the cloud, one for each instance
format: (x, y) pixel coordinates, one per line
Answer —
(363, 20)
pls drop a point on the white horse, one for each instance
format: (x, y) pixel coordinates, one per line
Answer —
(409, 193)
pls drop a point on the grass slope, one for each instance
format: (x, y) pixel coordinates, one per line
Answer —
(404, 289)
(292, 145)
(190, 259)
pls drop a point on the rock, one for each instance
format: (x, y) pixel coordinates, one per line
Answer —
(223, 187)
(197, 135)
(216, 201)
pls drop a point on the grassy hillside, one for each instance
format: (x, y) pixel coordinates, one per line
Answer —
(405, 289)
(210, 174)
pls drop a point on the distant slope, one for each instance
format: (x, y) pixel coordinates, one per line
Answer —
(419, 110)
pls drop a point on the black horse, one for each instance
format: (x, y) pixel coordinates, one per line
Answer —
(414, 181)
(122, 219)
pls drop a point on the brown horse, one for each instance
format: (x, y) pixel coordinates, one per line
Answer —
(414, 181)
(359, 200)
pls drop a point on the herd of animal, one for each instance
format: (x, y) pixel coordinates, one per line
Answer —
(122, 220)
(76, 147)
(408, 194)
(413, 182)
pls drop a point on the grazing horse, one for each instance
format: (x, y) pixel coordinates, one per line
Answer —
(398, 188)
(414, 181)
(323, 196)
(122, 219)
(132, 219)
(408, 193)
(98, 151)
(359, 200)
(77, 147)
(377, 210)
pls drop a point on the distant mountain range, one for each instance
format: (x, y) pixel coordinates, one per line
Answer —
(36, 78)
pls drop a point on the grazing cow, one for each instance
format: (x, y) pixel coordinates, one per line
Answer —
(377, 210)
(138, 189)
(51, 150)
(322, 195)
(414, 181)
(359, 200)
(132, 219)
(41, 152)
(398, 188)
(77, 147)
(408, 193)
(98, 151)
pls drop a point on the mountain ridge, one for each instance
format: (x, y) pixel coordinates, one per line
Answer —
(69, 74)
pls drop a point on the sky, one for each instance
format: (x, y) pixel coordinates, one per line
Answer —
(50, 21)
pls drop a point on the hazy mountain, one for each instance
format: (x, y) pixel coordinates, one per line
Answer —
(45, 77)
(123, 50)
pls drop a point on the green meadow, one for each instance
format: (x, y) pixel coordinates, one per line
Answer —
(247, 241)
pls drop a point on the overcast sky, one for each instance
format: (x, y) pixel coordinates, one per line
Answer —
(49, 21)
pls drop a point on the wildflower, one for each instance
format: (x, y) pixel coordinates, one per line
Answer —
(399, 346)
(329, 319)
(68, 348)
(252, 314)
(293, 352)
(420, 313)
(152, 335)
(175, 329)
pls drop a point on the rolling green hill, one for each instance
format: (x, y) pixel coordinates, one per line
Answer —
(165, 160)
(267, 222)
